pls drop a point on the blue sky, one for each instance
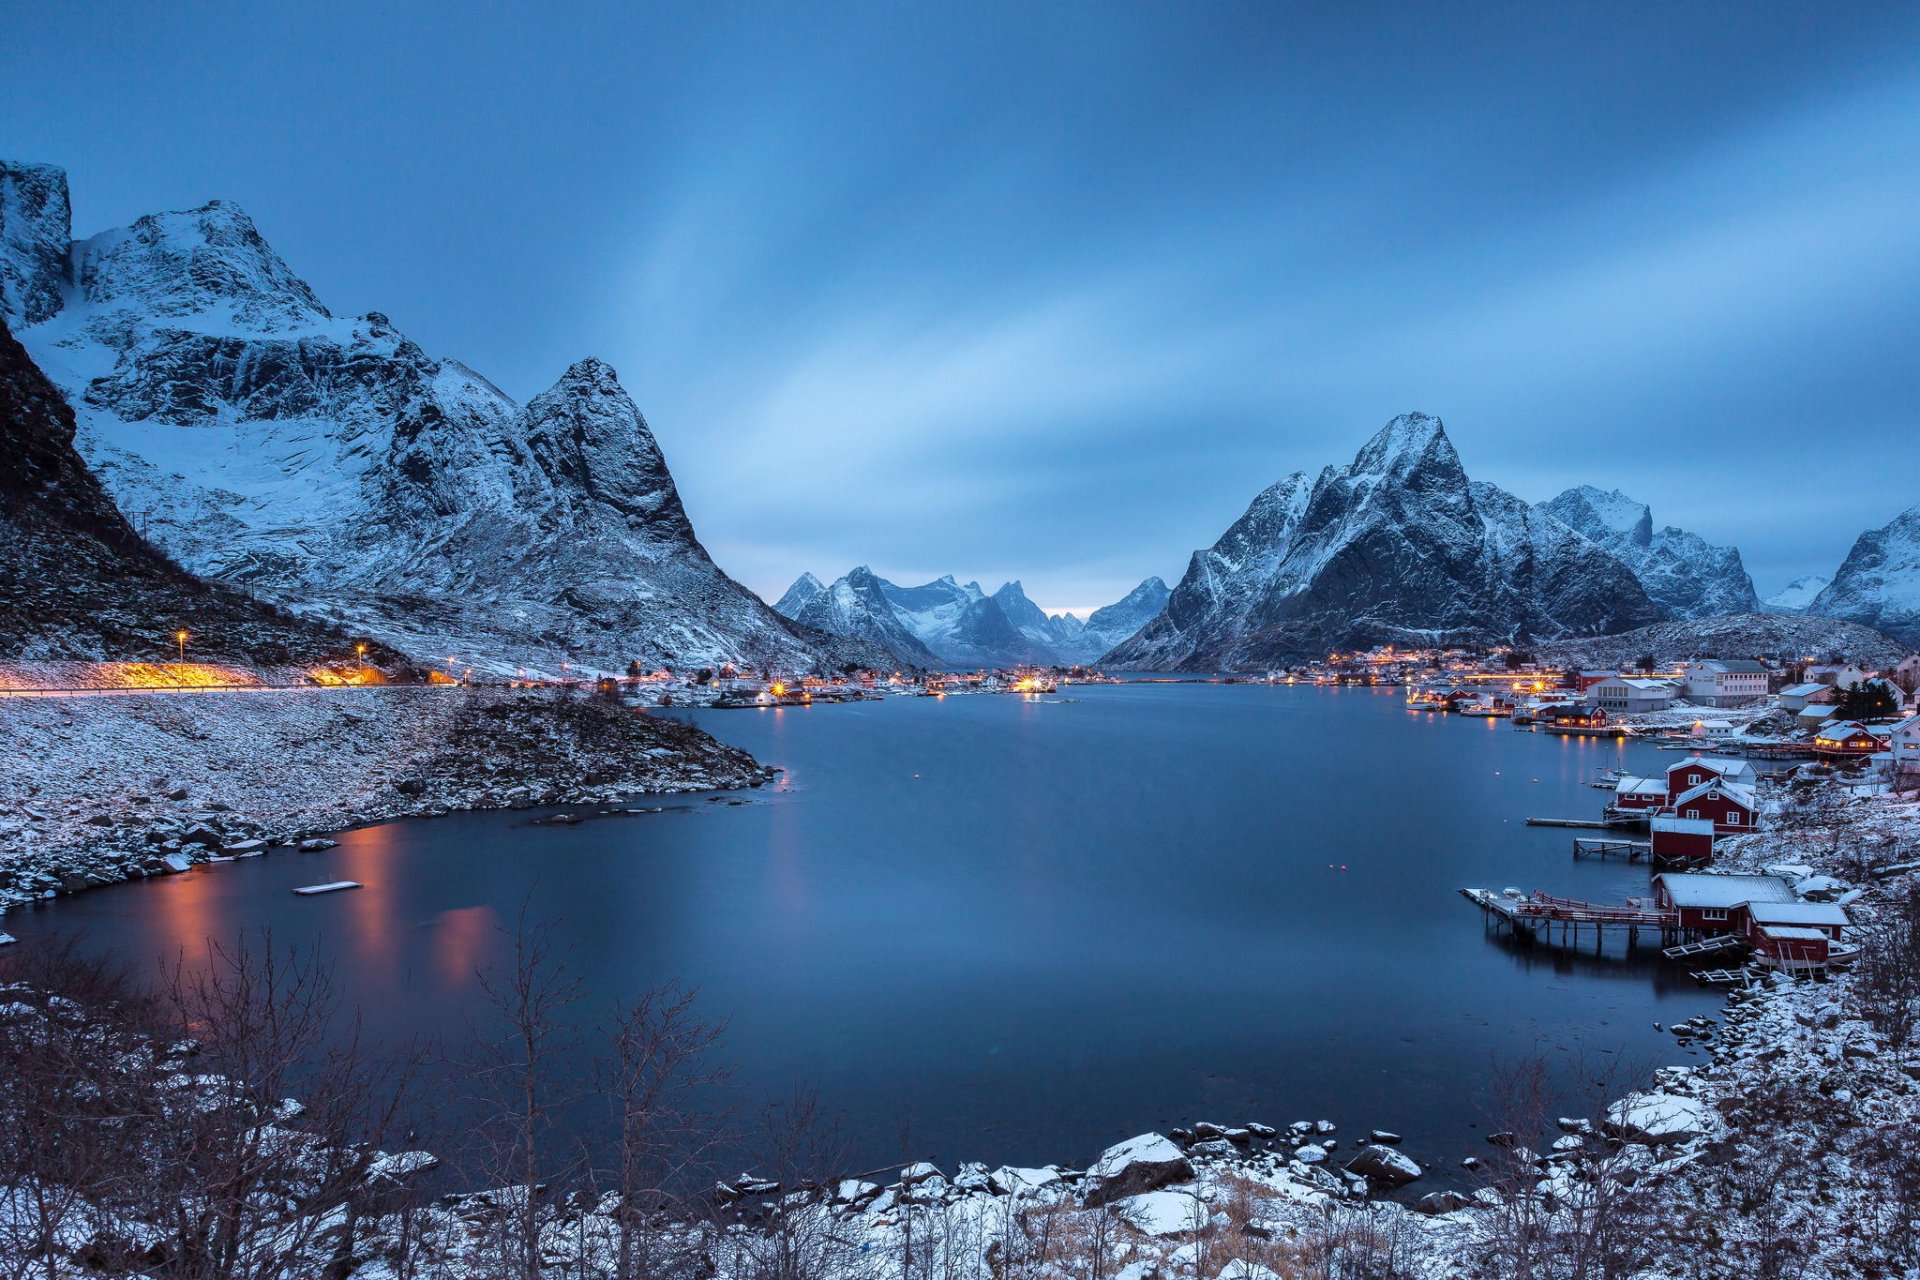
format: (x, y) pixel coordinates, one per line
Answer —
(1050, 292)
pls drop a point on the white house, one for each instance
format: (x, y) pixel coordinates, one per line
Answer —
(1624, 695)
(1725, 682)
(1814, 714)
(1796, 696)
(1904, 745)
(1841, 675)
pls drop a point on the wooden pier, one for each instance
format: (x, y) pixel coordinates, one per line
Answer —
(1601, 847)
(1536, 915)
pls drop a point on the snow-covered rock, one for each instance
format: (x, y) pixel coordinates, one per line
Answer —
(1683, 574)
(1162, 1213)
(1145, 1163)
(1397, 546)
(1653, 1117)
(1384, 1164)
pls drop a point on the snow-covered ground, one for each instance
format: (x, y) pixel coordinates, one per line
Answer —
(105, 787)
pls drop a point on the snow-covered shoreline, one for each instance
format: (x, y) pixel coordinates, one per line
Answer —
(104, 788)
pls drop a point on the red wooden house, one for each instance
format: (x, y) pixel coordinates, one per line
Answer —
(1793, 935)
(1711, 904)
(1681, 840)
(1685, 775)
(1847, 738)
(1639, 793)
(1731, 807)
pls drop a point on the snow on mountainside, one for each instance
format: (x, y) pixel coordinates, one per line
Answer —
(952, 625)
(804, 588)
(1108, 626)
(857, 608)
(1745, 635)
(1797, 595)
(1878, 584)
(1397, 546)
(76, 581)
(1684, 574)
(332, 465)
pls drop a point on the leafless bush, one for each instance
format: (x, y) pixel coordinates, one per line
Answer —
(1887, 975)
(799, 1240)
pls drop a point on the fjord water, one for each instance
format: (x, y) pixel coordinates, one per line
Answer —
(1016, 930)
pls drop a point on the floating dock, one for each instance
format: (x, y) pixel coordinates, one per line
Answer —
(332, 886)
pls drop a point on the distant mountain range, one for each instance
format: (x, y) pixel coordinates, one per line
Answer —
(945, 624)
(192, 394)
(331, 465)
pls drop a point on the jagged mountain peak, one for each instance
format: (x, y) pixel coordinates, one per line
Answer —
(210, 261)
(1683, 573)
(1412, 442)
(804, 588)
(1397, 546)
(586, 433)
(1586, 507)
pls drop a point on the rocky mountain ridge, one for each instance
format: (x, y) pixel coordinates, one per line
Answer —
(958, 626)
(1682, 573)
(1878, 584)
(1397, 546)
(332, 466)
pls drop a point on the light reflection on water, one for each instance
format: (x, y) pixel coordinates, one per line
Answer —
(1024, 928)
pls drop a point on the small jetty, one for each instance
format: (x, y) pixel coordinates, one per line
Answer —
(1602, 847)
(1705, 947)
(1537, 913)
(332, 886)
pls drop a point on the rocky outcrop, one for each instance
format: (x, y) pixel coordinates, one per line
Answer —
(1683, 573)
(1398, 546)
(330, 464)
(1878, 584)
(1741, 635)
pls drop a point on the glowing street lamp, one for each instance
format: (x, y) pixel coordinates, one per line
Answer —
(180, 639)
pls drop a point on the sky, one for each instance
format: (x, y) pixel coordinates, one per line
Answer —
(1050, 292)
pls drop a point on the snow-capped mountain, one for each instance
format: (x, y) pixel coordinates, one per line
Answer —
(1108, 626)
(954, 625)
(1797, 595)
(331, 464)
(76, 580)
(804, 588)
(856, 607)
(1683, 573)
(1397, 546)
(1878, 584)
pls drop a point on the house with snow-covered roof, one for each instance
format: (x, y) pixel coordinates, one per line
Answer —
(1680, 840)
(1846, 738)
(1725, 682)
(1627, 695)
(1685, 775)
(1731, 807)
(1796, 696)
(1903, 743)
(1710, 903)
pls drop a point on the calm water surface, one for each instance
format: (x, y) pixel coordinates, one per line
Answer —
(1023, 929)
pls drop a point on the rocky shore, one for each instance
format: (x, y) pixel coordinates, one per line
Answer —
(99, 789)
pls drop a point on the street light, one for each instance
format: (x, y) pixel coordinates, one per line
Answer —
(180, 638)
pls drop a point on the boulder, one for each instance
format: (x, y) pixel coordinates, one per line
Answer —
(1443, 1202)
(1138, 1165)
(1163, 1213)
(1383, 1164)
(1385, 1137)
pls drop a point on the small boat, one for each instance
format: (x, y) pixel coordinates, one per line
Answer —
(332, 886)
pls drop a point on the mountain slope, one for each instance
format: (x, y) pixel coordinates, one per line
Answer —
(1741, 635)
(76, 581)
(333, 465)
(1108, 626)
(804, 588)
(1684, 574)
(1397, 546)
(1797, 595)
(856, 607)
(1878, 584)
